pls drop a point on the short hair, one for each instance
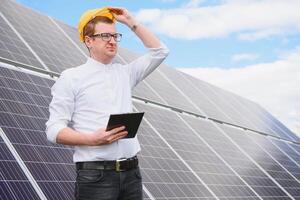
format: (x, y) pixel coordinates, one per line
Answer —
(89, 28)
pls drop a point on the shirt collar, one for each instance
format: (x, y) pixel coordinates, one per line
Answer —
(95, 63)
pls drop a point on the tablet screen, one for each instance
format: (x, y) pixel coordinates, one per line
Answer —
(131, 121)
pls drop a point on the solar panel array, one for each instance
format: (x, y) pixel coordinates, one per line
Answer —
(198, 141)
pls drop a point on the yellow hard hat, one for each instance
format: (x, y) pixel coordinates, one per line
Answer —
(91, 14)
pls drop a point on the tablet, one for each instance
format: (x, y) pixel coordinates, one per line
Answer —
(131, 121)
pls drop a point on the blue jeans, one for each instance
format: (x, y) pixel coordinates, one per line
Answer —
(108, 185)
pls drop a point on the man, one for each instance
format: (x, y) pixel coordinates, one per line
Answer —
(85, 96)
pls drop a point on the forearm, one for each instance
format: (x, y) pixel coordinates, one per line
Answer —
(69, 136)
(146, 36)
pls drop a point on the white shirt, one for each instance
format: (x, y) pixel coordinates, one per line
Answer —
(85, 96)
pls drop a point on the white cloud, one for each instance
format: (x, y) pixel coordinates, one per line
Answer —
(250, 20)
(275, 86)
(243, 57)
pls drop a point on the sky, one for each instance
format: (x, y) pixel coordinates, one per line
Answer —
(250, 47)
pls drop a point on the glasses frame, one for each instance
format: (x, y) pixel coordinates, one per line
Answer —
(107, 36)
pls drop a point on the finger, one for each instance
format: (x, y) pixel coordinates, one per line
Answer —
(115, 10)
(120, 134)
(117, 136)
(116, 130)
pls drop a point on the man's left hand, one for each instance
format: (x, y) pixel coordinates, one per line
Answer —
(122, 15)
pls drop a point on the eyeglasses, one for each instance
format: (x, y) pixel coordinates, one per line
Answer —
(107, 36)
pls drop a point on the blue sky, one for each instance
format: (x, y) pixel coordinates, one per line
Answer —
(250, 47)
(198, 52)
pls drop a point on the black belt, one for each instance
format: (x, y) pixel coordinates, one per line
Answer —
(118, 165)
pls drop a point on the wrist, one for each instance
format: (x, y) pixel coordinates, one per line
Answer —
(132, 25)
(89, 139)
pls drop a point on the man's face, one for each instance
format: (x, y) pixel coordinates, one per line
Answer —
(100, 48)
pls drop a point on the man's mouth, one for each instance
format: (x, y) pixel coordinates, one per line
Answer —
(111, 48)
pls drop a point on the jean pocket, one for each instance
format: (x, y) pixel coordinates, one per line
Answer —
(138, 174)
(89, 176)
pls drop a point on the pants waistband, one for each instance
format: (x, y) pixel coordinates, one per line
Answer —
(118, 165)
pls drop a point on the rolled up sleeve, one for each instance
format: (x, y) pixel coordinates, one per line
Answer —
(61, 107)
(146, 64)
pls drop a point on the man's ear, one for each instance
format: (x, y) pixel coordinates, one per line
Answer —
(88, 41)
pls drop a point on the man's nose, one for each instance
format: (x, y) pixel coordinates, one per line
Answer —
(112, 40)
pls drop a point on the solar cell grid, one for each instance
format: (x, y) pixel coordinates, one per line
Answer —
(13, 182)
(72, 32)
(164, 174)
(221, 102)
(274, 169)
(12, 48)
(163, 89)
(252, 117)
(42, 35)
(287, 149)
(295, 147)
(213, 171)
(50, 165)
(278, 155)
(246, 169)
(256, 118)
(143, 91)
(275, 124)
(168, 92)
(263, 122)
(204, 103)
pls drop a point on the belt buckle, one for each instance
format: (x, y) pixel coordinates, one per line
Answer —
(118, 164)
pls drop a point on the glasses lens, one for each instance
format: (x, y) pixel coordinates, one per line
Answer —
(117, 37)
(106, 36)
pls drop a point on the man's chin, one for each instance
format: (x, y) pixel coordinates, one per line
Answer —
(112, 54)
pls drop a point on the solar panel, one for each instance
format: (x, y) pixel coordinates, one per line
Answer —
(194, 138)
(274, 123)
(217, 174)
(204, 103)
(295, 147)
(279, 156)
(271, 166)
(242, 112)
(259, 117)
(23, 115)
(72, 33)
(164, 174)
(206, 100)
(13, 182)
(288, 150)
(232, 154)
(54, 50)
(12, 48)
